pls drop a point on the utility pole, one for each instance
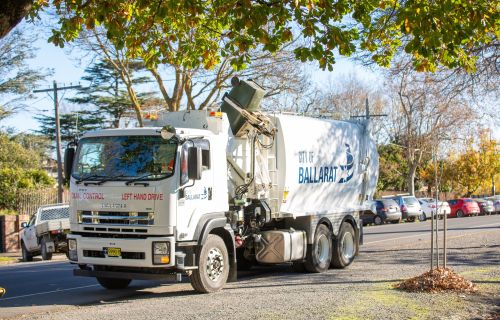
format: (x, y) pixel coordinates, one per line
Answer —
(367, 114)
(55, 89)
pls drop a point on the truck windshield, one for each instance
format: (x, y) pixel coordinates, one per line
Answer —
(125, 158)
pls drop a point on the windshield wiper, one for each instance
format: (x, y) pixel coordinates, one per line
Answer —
(111, 178)
(129, 182)
(99, 181)
(89, 177)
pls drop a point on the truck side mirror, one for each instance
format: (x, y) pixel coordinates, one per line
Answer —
(24, 225)
(194, 163)
(69, 156)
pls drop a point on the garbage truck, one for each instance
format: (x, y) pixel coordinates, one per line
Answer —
(204, 193)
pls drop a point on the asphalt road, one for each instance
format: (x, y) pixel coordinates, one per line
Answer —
(394, 234)
(41, 286)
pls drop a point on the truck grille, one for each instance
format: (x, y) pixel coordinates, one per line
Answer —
(125, 255)
(115, 218)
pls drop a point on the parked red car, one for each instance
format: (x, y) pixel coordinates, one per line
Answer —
(463, 207)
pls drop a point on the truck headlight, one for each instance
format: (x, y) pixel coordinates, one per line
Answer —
(72, 250)
(161, 252)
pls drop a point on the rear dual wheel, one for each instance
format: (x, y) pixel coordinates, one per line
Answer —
(319, 257)
(344, 247)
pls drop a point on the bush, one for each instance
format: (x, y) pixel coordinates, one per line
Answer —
(14, 179)
(7, 212)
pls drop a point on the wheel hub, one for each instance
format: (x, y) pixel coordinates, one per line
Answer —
(347, 246)
(215, 264)
(323, 251)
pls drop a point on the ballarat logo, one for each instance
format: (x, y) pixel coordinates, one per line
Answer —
(327, 173)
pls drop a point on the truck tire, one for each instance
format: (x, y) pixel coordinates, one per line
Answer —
(213, 266)
(113, 283)
(319, 257)
(344, 247)
(43, 248)
(27, 256)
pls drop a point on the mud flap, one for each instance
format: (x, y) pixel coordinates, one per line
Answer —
(50, 246)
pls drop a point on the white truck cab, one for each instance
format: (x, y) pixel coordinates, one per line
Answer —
(200, 193)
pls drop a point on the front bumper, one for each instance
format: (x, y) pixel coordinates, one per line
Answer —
(135, 252)
(125, 275)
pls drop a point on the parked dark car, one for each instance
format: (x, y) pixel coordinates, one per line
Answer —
(463, 207)
(486, 207)
(387, 211)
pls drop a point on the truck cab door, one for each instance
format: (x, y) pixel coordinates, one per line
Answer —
(30, 240)
(195, 196)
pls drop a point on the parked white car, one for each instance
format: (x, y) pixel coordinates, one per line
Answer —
(46, 231)
(429, 207)
(496, 202)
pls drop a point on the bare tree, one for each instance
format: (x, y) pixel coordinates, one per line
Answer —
(199, 88)
(346, 96)
(17, 78)
(424, 110)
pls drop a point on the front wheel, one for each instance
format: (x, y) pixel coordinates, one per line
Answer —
(344, 247)
(422, 217)
(213, 266)
(377, 220)
(410, 219)
(114, 283)
(27, 256)
(319, 257)
(45, 254)
(460, 214)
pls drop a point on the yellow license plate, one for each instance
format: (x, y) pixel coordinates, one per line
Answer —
(114, 252)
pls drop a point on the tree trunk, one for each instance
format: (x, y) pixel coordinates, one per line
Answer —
(163, 90)
(11, 13)
(410, 182)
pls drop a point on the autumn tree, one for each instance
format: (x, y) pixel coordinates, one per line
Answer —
(476, 166)
(210, 31)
